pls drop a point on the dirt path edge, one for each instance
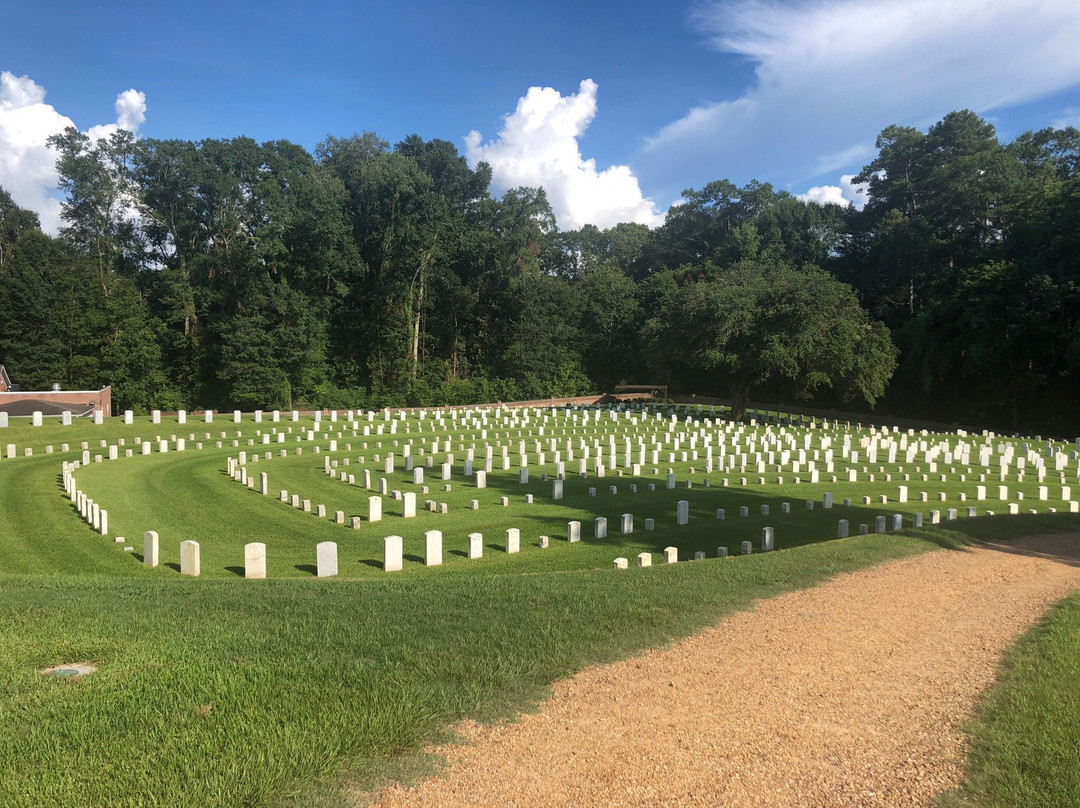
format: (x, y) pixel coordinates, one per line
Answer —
(852, 692)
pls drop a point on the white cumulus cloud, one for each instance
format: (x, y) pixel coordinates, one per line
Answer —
(830, 74)
(27, 164)
(130, 109)
(848, 192)
(538, 146)
(825, 195)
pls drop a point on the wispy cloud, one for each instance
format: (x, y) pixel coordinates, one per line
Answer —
(538, 146)
(1070, 116)
(830, 74)
(27, 164)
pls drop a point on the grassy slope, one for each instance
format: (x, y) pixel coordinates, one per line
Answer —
(223, 691)
(188, 496)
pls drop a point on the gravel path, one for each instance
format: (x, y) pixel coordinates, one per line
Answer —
(850, 693)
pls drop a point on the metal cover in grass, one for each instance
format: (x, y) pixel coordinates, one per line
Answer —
(69, 670)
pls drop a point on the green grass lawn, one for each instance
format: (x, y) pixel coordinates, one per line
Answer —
(221, 691)
(1026, 734)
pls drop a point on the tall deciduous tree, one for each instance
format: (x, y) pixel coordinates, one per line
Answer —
(723, 223)
(99, 212)
(756, 322)
(14, 221)
(52, 315)
(938, 202)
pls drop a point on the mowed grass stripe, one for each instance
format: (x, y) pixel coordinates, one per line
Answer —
(187, 495)
(40, 530)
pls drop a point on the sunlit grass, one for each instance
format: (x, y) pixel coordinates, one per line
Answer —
(226, 691)
(1026, 734)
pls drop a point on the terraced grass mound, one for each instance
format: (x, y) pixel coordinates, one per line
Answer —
(220, 690)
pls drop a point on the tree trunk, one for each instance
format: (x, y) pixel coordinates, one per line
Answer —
(740, 395)
(414, 348)
(419, 283)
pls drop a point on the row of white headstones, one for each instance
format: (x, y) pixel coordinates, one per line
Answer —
(326, 553)
(393, 555)
(509, 419)
(480, 418)
(409, 498)
(375, 509)
(67, 418)
(409, 503)
(961, 451)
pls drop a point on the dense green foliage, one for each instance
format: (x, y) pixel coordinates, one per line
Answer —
(967, 250)
(227, 273)
(755, 322)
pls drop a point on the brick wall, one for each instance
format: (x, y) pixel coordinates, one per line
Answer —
(78, 402)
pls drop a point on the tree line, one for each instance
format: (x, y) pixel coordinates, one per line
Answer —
(232, 274)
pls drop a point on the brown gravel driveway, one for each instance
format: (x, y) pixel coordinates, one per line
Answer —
(848, 694)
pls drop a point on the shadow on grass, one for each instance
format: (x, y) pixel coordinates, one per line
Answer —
(1063, 548)
(307, 568)
(172, 565)
(372, 562)
(1051, 536)
(240, 571)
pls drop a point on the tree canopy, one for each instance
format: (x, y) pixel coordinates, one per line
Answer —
(756, 321)
(231, 273)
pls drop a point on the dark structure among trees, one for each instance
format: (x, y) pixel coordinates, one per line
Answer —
(228, 273)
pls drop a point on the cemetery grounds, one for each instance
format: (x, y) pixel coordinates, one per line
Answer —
(296, 689)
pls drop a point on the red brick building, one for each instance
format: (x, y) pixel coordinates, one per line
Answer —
(52, 402)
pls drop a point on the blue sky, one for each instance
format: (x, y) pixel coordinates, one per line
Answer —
(642, 99)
